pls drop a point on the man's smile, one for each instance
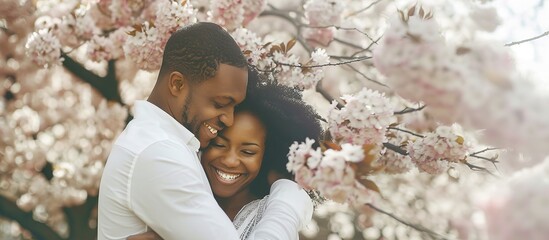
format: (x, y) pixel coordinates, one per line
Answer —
(212, 130)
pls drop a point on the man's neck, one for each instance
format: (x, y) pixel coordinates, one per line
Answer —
(161, 103)
(154, 99)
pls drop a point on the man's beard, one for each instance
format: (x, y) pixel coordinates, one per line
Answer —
(191, 125)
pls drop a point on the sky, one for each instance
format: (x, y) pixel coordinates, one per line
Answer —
(522, 19)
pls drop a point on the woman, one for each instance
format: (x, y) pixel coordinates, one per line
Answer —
(244, 160)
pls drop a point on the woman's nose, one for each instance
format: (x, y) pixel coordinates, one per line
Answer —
(231, 160)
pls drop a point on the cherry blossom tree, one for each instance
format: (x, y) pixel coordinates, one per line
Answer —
(420, 102)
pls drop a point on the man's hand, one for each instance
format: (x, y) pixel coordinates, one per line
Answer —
(150, 235)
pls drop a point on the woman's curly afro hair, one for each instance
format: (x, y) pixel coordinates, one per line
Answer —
(286, 117)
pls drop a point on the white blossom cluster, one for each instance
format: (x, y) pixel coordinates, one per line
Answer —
(303, 76)
(257, 52)
(394, 162)
(54, 32)
(124, 12)
(330, 172)
(98, 25)
(363, 120)
(52, 125)
(252, 8)
(252, 46)
(227, 13)
(172, 15)
(319, 37)
(146, 45)
(76, 149)
(44, 48)
(287, 67)
(321, 15)
(413, 54)
(474, 83)
(438, 149)
(100, 48)
(72, 28)
(145, 48)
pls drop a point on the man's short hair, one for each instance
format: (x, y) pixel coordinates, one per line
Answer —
(197, 50)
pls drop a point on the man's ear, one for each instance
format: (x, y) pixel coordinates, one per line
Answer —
(177, 83)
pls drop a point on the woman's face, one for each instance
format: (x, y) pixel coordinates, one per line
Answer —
(233, 158)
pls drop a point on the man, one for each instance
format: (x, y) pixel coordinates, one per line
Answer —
(153, 177)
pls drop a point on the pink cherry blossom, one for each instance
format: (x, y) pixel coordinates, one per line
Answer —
(252, 8)
(228, 13)
(323, 12)
(145, 48)
(435, 152)
(171, 15)
(363, 120)
(44, 48)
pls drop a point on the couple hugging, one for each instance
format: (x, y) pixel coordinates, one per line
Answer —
(205, 155)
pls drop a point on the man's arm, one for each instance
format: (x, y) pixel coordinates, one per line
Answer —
(288, 209)
(168, 193)
(149, 235)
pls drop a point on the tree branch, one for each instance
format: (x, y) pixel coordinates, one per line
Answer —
(363, 9)
(39, 230)
(347, 43)
(364, 75)
(395, 148)
(409, 110)
(368, 47)
(358, 59)
(341, 28)
(327, 96)
(106, 86)
(492, 159)
(406, 131)
(484, 150)
(477, 168)
(473, 167)
(78, 218)
(527, 40)
(284, 15)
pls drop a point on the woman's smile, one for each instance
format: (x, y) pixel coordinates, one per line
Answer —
(226, 177)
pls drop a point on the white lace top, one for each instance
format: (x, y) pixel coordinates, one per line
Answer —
(248, 217)
(275, 207)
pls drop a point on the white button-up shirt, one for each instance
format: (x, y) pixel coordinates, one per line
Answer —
(154, 178)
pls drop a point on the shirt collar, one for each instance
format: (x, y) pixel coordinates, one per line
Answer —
(148, 111)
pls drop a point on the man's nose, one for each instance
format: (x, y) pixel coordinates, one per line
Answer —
(227, 118)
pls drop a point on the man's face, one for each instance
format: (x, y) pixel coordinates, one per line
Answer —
(209, 105)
